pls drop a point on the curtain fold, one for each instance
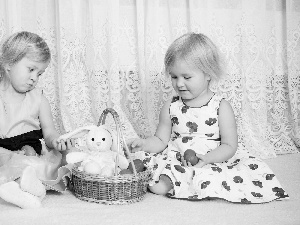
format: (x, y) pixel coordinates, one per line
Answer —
(292, 63)
(109, 53)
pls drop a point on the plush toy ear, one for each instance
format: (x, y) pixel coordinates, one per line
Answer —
(79, 132)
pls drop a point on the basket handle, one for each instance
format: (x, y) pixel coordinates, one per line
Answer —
(119, 135)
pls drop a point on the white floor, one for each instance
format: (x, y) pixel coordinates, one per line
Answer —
(66, 209)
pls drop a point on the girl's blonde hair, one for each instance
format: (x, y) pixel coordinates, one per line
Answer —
(198, 50)
(19, 45)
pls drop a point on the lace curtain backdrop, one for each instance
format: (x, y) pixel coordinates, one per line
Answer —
(109, 53)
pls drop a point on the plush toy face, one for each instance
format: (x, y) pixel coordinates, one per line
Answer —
(99, 139)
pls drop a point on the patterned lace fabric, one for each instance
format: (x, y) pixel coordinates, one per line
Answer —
(110, 54)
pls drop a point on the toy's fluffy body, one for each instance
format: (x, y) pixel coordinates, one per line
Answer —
(101, 149)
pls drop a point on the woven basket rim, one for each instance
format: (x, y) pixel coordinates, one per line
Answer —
(96, 177)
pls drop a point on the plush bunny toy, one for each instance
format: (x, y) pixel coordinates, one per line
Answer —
(101, 153)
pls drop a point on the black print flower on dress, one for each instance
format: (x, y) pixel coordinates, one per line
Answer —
(194, 197)
(225, 185)
(270, 176)
(177, 183)
(175, 136)
(216, 168)
(184, 109)
(178, 156)
(205, 184)
(179, 168)
(257, 183)
(233, 164)
(193, 127)
(280, 193)
(258, 195)
(253, 166)
(245, 201)
(211, 121)
(168, 166)
(174, 120)
(238, 179)
(186, 139)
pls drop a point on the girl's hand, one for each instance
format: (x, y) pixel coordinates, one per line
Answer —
(63, 145)
(202, 161)
(135, 144)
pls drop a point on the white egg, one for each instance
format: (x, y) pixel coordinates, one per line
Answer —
(92, 167)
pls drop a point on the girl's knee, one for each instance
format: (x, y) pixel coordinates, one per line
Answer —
(163, 186)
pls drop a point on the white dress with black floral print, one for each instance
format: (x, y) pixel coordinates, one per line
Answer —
(240, 179)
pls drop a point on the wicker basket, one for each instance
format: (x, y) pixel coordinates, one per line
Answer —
(117, 189)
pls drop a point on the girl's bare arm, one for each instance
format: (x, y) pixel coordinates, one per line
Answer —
(229, 138)
(159, 141)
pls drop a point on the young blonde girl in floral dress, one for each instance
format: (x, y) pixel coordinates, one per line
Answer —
(200, 120)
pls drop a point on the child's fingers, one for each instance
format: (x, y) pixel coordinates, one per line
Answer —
(201, 164)
(69, 143)
(200, 156)
(57, 146)
(73, 142)
(136, 149)
(62, 145)
(134, 144)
